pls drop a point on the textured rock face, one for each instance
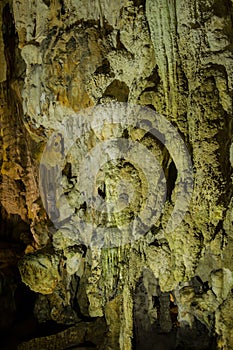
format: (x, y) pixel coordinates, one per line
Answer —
(115, 259)
(40, 272)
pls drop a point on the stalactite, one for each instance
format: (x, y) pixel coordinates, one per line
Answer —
(83, 172)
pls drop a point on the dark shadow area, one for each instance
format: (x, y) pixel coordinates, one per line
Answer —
(156, 326)
(117, 90)
(17, 322)
(23, 325)
(171, 180)
(86, 345)
(196, 338)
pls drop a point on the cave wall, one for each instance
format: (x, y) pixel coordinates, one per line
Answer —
(61, 59)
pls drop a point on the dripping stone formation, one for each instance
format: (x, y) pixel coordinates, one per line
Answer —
(116, 228)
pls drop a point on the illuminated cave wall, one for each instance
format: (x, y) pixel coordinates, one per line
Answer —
(170, 290)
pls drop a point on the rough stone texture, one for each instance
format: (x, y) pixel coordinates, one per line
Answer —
(40, 272)
(60, 57)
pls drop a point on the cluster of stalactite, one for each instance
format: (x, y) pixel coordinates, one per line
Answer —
(60, 286)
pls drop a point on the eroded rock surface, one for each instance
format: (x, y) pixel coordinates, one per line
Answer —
(66, 63)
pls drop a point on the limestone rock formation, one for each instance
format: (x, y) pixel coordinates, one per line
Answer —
(116, 173)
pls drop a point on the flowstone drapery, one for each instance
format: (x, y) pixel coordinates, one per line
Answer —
(116, 159)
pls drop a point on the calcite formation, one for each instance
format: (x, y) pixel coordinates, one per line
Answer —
(116, 116)
(40, 272)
